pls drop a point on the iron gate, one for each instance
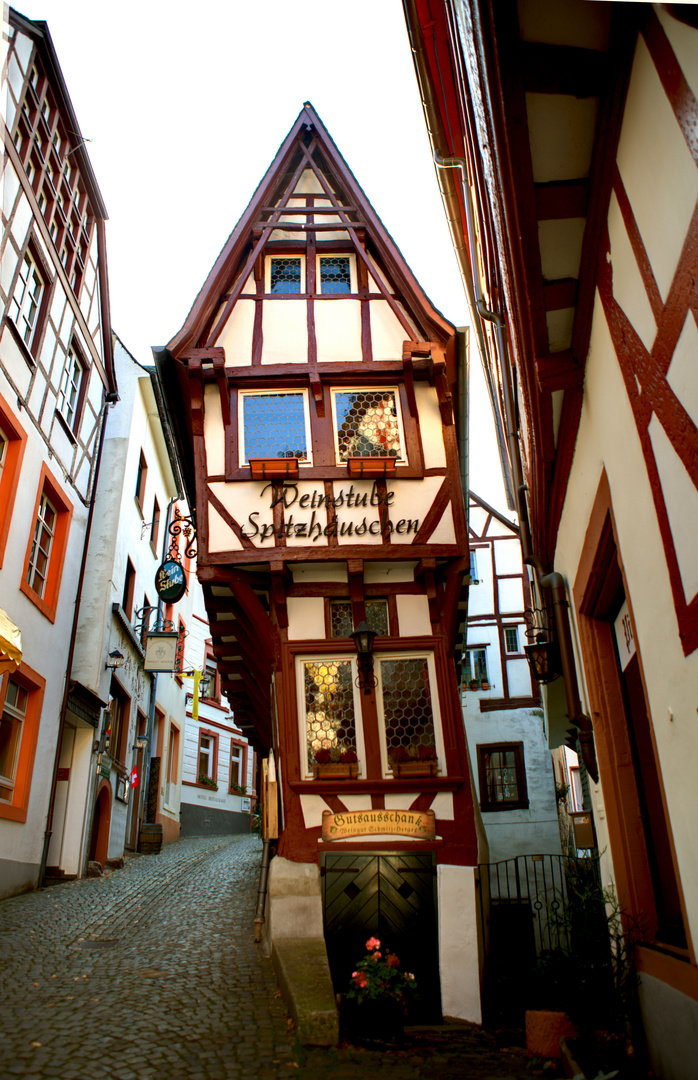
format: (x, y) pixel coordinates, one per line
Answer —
(391, 896)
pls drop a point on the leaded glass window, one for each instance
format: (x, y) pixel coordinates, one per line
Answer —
(329, 706)
(335, 274)
(274, 426)
(341, 620)
(367, 423)
(407, 704)
(285, 275)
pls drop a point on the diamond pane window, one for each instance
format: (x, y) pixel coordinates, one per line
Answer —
(335, 274)
(407, 707)
(285, 275)
(329, 706)
(367, 424)
(274, 426)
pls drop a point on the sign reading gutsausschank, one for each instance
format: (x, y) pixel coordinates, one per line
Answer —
(420, 824)
(371, 524)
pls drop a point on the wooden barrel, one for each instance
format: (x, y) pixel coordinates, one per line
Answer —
(150, 839)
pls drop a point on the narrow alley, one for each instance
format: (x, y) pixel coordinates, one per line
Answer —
(151, 971)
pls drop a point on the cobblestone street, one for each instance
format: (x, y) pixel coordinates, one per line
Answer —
(151, 971)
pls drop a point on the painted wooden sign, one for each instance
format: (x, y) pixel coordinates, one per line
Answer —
(416, 823)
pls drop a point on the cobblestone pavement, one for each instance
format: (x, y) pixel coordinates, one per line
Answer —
(152, 971)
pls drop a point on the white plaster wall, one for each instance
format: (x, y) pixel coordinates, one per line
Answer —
(507, 553)
(285, 332)
(236, 336)
(460, 958)
(306, 618)
(338, 331)
(510, 595)
(214, 431)
(413, 615)
(431, 426)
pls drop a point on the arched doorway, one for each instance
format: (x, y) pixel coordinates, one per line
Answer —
(99, 843)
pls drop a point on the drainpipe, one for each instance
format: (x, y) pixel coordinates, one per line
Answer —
(109, 399)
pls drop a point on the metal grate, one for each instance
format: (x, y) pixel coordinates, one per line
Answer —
(274, 426)
(367, 424)
(407, 703)
(329, 706)
(285, 275)
(335, 275)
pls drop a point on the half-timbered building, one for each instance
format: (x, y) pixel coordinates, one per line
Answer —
(565, 139)
(319, 402)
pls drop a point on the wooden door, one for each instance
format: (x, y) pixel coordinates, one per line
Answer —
(391, 897)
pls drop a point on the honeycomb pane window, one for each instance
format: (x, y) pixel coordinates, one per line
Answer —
(335, 274)
(342, 623)
(274, 425)
(285, 275)
(328, 687)
(367, 424)
(407, 704)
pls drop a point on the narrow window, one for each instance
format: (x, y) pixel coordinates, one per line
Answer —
(208, 688)
(341, 622)
(129, 589)
(474, 579)
(42, 545)
(171, 771)
(511, 639)
(476, 665)
(11, 729)
(207, 758)
(285, 275)
(69, 389)
(274, 426)
(367, 423)
(26, 300)
(335, 274)
(236, 759)
(155, 526)
(141, 476)
(407, 703)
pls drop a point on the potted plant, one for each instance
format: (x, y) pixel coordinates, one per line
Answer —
(484, 683)
(208, 781)
(380, 990)
(336, 763)
(473, 684)
(413, 760)
(237, 789)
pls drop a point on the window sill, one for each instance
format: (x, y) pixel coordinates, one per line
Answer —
(122, 617)
(66, 426)
(45, 608)
(492, 808)
(24, 349)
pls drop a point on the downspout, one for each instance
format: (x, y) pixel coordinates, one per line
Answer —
(109, 399)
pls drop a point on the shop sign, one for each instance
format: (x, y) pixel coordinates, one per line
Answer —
(161, 651)
(418, 824)
(171, 581)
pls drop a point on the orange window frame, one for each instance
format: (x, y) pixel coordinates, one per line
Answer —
(9, 481)
(48, 603)
(35, 685)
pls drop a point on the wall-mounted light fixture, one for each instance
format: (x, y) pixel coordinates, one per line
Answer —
(363, 638)
(544, 660)
(117, 660)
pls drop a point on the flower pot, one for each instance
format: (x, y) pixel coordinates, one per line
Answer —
(336, 771)
(473, 684)
(484, 685)
(376, 1021)
(415, 768)
(544, 1029)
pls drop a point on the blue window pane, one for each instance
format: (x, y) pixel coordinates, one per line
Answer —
(274, 426)
(285, 275)
(335, 276)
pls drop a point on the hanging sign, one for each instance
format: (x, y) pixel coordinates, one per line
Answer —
(161, 651)
(171, 581)
(418, 824)
(134, 777)
(625, 638)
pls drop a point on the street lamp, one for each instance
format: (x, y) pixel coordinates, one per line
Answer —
(363, 638)
(117, 660)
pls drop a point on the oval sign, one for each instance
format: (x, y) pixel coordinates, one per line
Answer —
(171, 581)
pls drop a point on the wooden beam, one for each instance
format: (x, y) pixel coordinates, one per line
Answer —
(562, 199)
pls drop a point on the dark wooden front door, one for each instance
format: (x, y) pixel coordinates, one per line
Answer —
(391, 897)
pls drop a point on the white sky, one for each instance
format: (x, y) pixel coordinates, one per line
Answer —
(185, 106)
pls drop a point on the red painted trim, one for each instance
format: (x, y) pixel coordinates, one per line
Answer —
(64, 513)
(17, 440)
(35, 684)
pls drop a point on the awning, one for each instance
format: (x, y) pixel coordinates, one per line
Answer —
(10, 644)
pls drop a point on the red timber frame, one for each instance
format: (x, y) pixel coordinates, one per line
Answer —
(247, 589)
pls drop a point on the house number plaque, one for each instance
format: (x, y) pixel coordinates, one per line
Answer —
(416, 823)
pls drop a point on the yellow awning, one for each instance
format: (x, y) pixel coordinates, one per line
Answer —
(10, 644)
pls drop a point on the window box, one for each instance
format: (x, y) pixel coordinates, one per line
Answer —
(274, 468)
(372, 466)
(338, 770)
(414, 768)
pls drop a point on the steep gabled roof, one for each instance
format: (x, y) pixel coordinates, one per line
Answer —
(307, 145)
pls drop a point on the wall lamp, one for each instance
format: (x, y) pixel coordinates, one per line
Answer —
(363, 638)
(117, 660)
(544, 660)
